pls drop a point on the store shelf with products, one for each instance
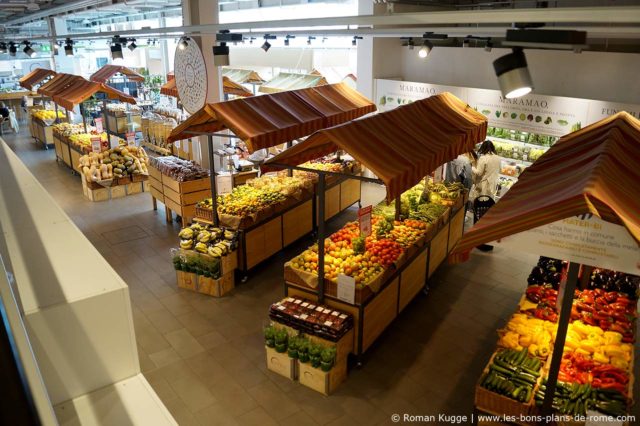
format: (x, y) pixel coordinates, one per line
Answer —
(578, 320)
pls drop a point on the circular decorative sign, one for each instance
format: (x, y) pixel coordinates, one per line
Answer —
(191, 76)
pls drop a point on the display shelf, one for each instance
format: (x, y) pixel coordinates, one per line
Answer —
(524, 144)
(513, 160)
(375, 312)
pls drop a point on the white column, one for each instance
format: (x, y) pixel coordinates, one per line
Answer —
(364, 64)
(200, 12)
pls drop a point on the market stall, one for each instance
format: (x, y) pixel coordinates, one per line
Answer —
(574, 203)
(231, 88)
(36, 77)
(120, 118)
(372, 270)
(292, 81)
(264, 210)
(243, 76)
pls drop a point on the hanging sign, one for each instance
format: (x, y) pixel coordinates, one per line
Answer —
(99, 127)
(96, 144)
(131, 139)
(364, 220)
(346, 288)
(583, 239)
(391, 94)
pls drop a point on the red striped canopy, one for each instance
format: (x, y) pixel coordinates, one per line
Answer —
(108, 71)
(400, 146)
(270, 120)
(82, 89)
(594, 170)
(59, 82)
(35, 77)
(170, 88)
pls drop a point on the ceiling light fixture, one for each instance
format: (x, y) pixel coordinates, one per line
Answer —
(68, 47)
(182, 44)
(12, 49)
(488, 46)
(116, 51)
(426, 48)
(354, 42)
(465, 42)
(309, 40)
(132, 45)
(513, 74)
(3, 47)
(28, 50)
(286, 39)
(266, 45)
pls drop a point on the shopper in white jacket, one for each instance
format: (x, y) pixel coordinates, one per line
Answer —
(486, 171)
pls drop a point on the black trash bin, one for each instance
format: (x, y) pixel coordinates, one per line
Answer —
(480, 207)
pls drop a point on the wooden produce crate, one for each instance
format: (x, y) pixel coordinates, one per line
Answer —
(321, 381)
(412, 279)
(281, 364)
(438, 252)
(344, 346)
(58, 145)
(216, 287)
(181, 197)
(93, 191)
(456, 228)
(187, 280)
(262, 242)
(75, 159)
(42, 132)
(349, 193)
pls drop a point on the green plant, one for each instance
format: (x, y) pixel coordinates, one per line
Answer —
(294, 345)
(314, 354)
(281, 338)
(328, 358)
(303, 350)
(270, 336)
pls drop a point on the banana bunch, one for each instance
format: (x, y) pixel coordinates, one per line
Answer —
(205, 239)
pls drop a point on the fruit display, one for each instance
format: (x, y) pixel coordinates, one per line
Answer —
(364, 259)
(517, 152)
(513, 374)
(518, 136)
(523, 331)
(121, 108)
(602, 346)
(328, 164)
(156, 128)
(311, 318)
(260, 194)
(206, 239)
(425, 204)
(114, 163)
(179, 169)
(75, 135)
(46, 115)
(176, 113)
(574, 399)
(547, 272)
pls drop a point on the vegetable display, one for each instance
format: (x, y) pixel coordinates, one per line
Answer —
(575, 399)
(116, 162)
(206, 239)
(46, 114)
(513, 374)
(179, 169)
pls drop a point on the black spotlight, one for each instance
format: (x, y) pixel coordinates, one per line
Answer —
(513, 74)
(309, 40)
(132, 45)
(221, 55)
(183, 43)
(116, 51)
(266, 46)
(488, 46)
(68, 47)
(286, 39)
(354, 42)
(3, 47)
(28, 50)
(13, 49)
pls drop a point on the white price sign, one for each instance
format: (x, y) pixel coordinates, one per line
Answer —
(346, 288)
(99, 127)
(131, 139)
(114, 141)
(96, 144)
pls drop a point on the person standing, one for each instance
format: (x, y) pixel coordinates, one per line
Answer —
(4, 111)
(486, 171)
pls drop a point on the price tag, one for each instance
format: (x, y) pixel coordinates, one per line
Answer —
(114, 141)
(126, 90)
(29, 101)
(131, 139)
(346, 288)
(99, 127)
(96, 144)
(364, 220)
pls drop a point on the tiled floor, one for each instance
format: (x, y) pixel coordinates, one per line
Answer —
(205, 356)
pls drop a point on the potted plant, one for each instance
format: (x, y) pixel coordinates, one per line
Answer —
(294, 344)
(270, 336)
(303, 350)
(281, 338)
(314, 354)
(328, 357)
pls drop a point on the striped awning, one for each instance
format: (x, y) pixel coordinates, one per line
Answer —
(81, 90)
(108, 71)
(400, 146)
(270, 120)
(170, 88)
(594, 170)
(230, 87)
(242, 76)
(57, 83)
(35, 77)
(290, 81)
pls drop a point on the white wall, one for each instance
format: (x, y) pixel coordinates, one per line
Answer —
(589, 75)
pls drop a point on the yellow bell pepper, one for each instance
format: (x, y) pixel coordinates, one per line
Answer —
(614, 351)
(583, 352)
(612, 337)
(600, 357)
(587, 346)
(533, 348)
(543, 350)
(525, 341)
(571, 344)
(619, 362)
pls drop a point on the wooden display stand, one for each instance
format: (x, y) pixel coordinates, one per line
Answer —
(210, 286)
(42, 133)
(94, 192)
(374, 313)
(339, 196)
(67, 152)
(178, 197)
(281, 364)
(325, 382)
